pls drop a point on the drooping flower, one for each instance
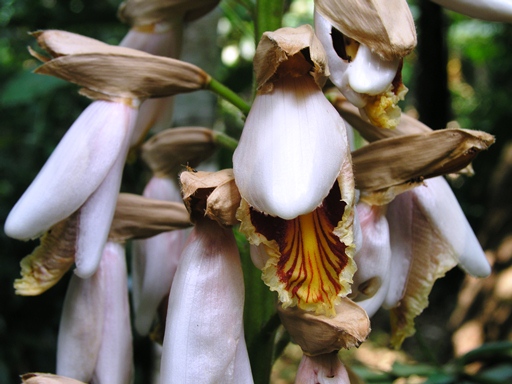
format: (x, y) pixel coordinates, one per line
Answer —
(95, 340)
(155, 260)
(365, 43)
(412, 232)
(87, 177)
(204, 336)
(294, 173)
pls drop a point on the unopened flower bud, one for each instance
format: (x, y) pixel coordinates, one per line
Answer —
(138, 217)
(143, 12)
(95, 66)
(167, 152)
(386, 167)
(280, 54)
(212, 194)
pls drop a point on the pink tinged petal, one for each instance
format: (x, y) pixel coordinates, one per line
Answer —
(322, 369)
(97, 213)
(155, 259)
(291, 149)
(164, 41)
(337, 66)
(115, 356)
(371, 280)
(400, 219)
(368, 73)
(490, 10)
(204, 330)
(80, 329)
(442, 209)
(74, 171)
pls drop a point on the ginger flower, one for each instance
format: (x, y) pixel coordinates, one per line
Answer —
(85, 170)
(365, 43)
(293, 170)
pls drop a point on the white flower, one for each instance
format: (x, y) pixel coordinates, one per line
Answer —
(204, 336)
(95, 340)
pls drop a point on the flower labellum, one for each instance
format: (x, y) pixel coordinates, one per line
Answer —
(293, 170)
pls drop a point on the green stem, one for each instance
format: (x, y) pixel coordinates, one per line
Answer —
(269, 16)
(224, 140)
(227, 94)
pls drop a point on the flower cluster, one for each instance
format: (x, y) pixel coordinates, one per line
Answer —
(337, 232)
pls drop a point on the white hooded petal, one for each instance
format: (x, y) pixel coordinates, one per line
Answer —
(337, 66)
(97, 213)
(322, 369)
(80, 328)
(291, 149)
(366, 74)
(441, 207)
(155, 259)
(115, 356)
(490, 10)
(204, 328)
(369, 74)
(74, 171)
(371, 280)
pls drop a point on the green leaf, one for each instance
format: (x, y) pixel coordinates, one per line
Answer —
(260, 318)
(25, 87)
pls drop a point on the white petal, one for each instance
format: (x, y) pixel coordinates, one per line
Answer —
(490, 10)
(322, 369)
(369, 74)
(166, 43)
(337, 66)
(291, 149)
(155, 259)
(400, 220)
(80, 328)
(96, 216)
(440, 205)
(373, 259)
(204, 328)
(115, 357)
(74, 170)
